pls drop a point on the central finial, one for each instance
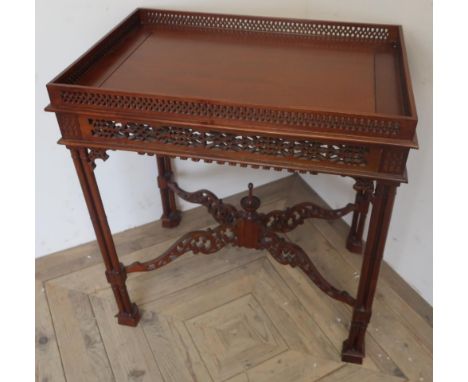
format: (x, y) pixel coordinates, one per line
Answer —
(250, 189)
(250, 203)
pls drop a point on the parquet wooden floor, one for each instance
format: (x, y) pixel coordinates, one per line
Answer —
(234, 316)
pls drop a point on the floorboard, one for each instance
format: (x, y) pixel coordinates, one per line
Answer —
(235, 316)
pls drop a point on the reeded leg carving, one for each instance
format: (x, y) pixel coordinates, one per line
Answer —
(115, 272)
(354, 346)
(171, 215)
(364, 189)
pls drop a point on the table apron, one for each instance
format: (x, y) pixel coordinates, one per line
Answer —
(295, 154)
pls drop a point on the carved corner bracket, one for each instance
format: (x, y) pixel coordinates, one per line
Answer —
(94, 154)
(365, 188)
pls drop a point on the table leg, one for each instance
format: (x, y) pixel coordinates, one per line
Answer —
(115, 271)
(354, 347)
(364, 189)
(171, 216)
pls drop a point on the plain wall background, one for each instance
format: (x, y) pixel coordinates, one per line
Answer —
(66, 28)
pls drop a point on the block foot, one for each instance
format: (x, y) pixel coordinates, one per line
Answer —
(129, 319)
(172, 220)
(354, 244)
(350, 355)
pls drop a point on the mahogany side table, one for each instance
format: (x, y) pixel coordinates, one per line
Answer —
(301, 95)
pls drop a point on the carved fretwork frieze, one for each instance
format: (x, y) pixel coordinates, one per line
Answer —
(344, 154)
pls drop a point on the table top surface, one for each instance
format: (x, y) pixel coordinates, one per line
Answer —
(254, 69)
(281, 66)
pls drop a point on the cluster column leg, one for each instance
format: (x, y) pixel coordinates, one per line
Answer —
(171, 216)
(354, 347)
(115, 272)
(364, 189)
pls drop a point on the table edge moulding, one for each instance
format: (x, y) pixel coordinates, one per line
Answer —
(369, 146)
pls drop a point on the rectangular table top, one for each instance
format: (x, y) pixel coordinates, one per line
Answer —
(303, 95)
(314, 69)
(254, 69)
